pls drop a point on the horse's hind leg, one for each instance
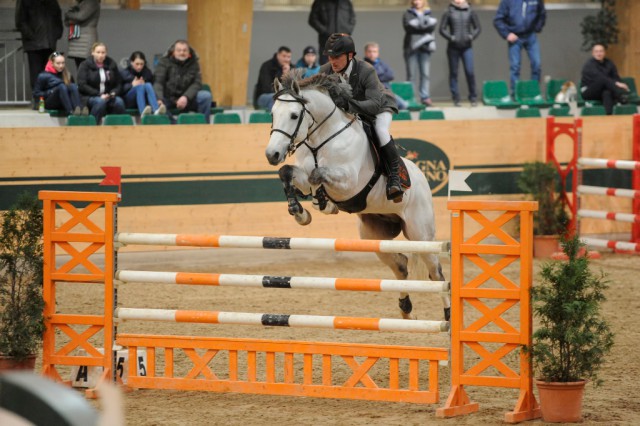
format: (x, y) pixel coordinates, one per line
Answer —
(372, 227)
(426, 232)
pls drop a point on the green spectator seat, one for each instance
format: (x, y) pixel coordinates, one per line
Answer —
(496, 93)
(56, 112)
(404, 89)
(593, 110)
(81, 120)
(260, 117)
(403, 115)
(216, 110)
(117, 120)
(553, 87)
(227, 118)
(431, 115)
(206, 87)
(528, 113)
(627, 109)
(528, 93)
(191, 118)
(155, 119)
(133, 111)
(633, 91)
(562, 110)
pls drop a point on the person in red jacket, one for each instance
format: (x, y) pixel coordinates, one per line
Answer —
(55, 85)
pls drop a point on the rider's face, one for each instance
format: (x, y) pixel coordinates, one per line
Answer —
(338, 62)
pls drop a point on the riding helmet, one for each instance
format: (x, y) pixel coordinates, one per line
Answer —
(339, 43)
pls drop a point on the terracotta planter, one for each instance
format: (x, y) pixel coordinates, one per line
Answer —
(561, 402)
(545, 245)
(10, 363)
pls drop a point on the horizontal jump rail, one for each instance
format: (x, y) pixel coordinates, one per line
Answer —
(612, 192)
(282, 320)
(611, 244)
(266, 281)
(618, 217)
(229, 241)
(610, 164)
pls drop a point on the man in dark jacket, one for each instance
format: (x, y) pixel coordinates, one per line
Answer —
(178, 81)
(600, 80)
(518, 21)
(370, 100)
(40, 24)
(460, 26)
(331, 16)
(274, 68)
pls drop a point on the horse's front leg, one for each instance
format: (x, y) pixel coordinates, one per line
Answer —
(322, 202)
(293, 178)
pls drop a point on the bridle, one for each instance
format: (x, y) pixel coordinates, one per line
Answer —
(293, 146)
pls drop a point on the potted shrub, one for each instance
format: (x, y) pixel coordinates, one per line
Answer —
(540, 181)
(21, 303)
(571, 342)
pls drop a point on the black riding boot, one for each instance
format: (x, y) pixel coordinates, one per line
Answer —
(391, 162)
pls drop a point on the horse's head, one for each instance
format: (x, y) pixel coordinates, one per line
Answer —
(295, 113)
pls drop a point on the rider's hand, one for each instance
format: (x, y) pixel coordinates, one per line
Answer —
(342, 103)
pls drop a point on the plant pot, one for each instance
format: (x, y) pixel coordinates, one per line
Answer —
(11, 363)
(561, 402)
(545, 245)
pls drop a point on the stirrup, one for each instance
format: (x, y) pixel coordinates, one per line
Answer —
(394, 192)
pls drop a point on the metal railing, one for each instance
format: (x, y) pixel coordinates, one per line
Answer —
(14, 80)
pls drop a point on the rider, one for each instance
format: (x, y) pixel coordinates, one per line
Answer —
(370, 100)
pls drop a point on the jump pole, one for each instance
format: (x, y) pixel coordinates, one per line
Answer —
(101, 235)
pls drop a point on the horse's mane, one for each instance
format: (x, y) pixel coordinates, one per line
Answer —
(329, 84)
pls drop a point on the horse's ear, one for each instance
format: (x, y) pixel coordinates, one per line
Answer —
(296, 87)
(277, 85)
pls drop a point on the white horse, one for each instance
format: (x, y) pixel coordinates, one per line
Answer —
(334, 164)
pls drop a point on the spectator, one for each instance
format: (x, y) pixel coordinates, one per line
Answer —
(419, 44)
(370, 100)
(99, 83)
(56, 86)
(518, 21)
(384, 71)
(274, 68)
(137, 86)
(460, 26)
(331, 16)
(600, 80)
(82, 20)
(309, 62)
(178, 81)
(40, 26)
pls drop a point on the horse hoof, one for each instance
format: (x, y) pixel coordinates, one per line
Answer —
(303, 218)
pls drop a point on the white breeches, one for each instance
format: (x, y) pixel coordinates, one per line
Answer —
(383, 121)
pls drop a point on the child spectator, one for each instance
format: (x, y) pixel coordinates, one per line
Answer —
(56, 86)
(137, 86)
(99, 83)
(309, 62)
(384, 71)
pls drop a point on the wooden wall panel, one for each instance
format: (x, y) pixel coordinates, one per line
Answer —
(220, 31)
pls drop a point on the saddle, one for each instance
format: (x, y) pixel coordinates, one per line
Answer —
(358, 202)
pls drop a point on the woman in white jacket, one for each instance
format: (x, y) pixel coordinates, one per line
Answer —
(419, 43)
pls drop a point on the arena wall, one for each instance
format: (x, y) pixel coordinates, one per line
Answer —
(215, 179)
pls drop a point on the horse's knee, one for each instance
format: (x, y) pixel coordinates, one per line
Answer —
(317, 176)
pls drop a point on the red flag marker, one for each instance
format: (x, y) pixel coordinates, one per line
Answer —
(112, 177)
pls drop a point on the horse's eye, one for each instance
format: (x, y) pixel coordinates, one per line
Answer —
(294, 116)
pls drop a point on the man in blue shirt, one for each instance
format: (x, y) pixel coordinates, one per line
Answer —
(518, 21)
